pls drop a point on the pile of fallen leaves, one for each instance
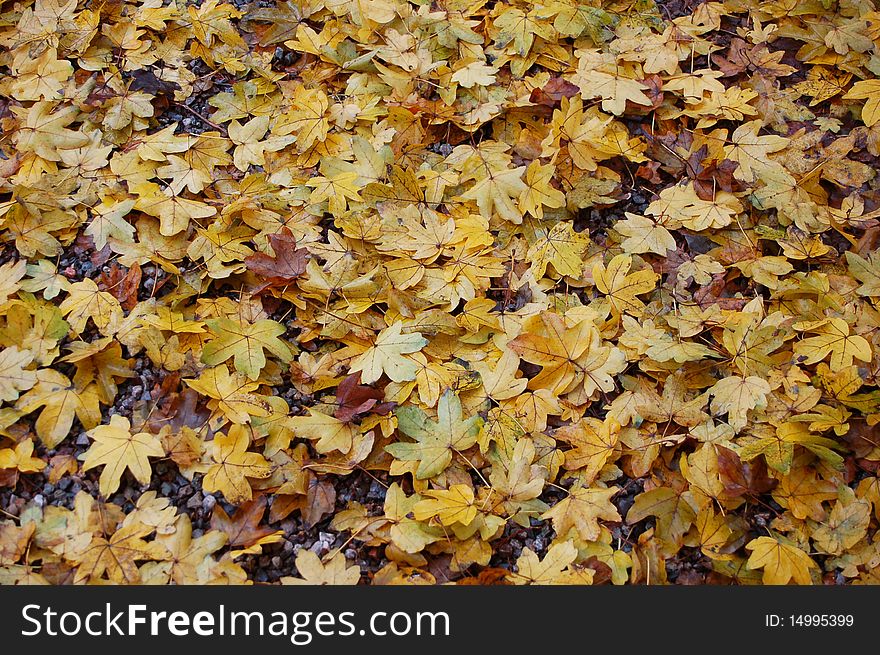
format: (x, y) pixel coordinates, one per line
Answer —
(587, 290)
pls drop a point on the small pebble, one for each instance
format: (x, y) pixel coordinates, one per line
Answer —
(208, 503)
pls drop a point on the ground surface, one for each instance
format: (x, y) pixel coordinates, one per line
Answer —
(389, 292)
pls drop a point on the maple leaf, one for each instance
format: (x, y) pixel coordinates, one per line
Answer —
(117, 555)
(539, 193)
(307, 117)
(231, 394)
(315, 572)
(245, 343)
(21, 458)
(500, 382)
(562, 247)
(736, 396)
(644, 235)
(832, 338)
(521, 480)
(569, 356)
(522, 28)
(329, 432)
(187, 555)
(751, 151)
(593, 444)
(85, 301)
(44, 131)
(233, 464)
(435, 441)
(673, 512)
(61, 402)
(581, 511)
(614, 90)
(288, 263)
(11, 274)
(623, 287)
(554, 569)
(243, 528)
(780, 561)
(866, 271)
(353, 398)
(337, 190)
(496, 192)
(102, 363)
(803, 493)
(475, 73)
(173, 211)
(867, 90)
(115, 448)
(13, 376)
(453, 505)
(846, 525)
(41, 78)
(386, 355)
(251, 145)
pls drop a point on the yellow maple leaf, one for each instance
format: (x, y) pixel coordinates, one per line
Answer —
(41, 78)
(118, 554)
(736, 396)
(315, 572)
(453, 505)
(233, 465)
(832, 338)
(115, 448)
(386, 355)
(496, 191)
(327, 431)
(623, 287)
(85, 301)
(230, 394)
(21, 458)
(562, 247)
(614, 90)
(581, 511)
(644, 234)
(750, 150)
(539, 192)
(245, 342)
(14, 378)
(44, 131)
(867, 90)
(555, 568)
(61, 402)
(593, 443)
(251, 145)
(781, 562)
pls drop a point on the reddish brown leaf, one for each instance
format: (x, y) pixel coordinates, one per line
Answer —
(740, 478)
(243, 527)
(353, 398)
(320, 501)
(288, 263)
(553, 92)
